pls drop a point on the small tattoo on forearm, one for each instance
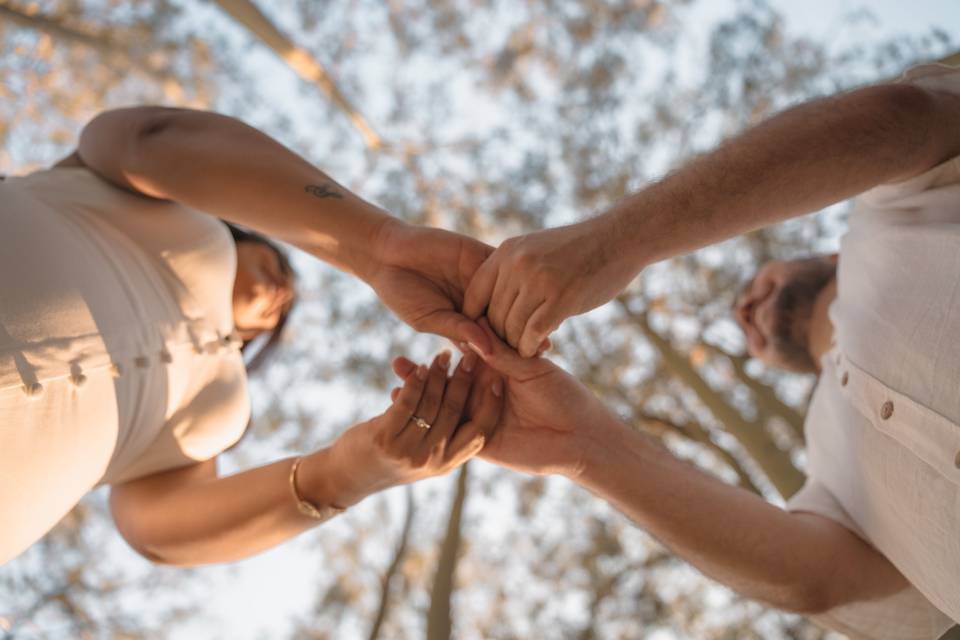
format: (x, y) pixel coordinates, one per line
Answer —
(322, 191)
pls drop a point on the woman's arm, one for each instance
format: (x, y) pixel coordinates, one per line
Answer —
(221, 166)
(190, 516)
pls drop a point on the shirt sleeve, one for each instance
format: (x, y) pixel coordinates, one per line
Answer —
(906, 615)
(939, 184)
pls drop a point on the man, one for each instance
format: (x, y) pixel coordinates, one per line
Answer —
(871, 545)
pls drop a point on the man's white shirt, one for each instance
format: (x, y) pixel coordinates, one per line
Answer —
(883, 429)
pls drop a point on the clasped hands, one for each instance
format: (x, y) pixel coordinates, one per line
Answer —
(499, 306)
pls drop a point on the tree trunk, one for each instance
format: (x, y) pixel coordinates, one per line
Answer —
(766, 399)
(300, 61)
(389, 575)
(774, 463)
(110, 47)
(439, 620)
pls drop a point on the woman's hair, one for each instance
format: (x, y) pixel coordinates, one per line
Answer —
(269, 343)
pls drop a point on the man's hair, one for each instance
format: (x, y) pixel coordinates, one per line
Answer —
(794, 310)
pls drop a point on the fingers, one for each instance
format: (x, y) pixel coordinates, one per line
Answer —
(454, 402)
(407, 400)
(403, 367)
(508, 362)
(471, 437)
(537, 327)
(478, 293)
(503, 297)
(524, 307)
(456, 327)
(432, 395)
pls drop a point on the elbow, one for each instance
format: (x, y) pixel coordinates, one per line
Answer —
(804, 598)
(155, 554)
(909, 115)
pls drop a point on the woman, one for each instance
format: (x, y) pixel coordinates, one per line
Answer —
(123, 310)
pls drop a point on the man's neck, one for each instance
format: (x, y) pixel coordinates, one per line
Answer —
(820, 333)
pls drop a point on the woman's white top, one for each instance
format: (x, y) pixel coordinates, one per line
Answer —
(117, 357)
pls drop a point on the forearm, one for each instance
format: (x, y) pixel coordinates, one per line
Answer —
(797, 162)
(798, 562)
(173, 518)
(219, 165)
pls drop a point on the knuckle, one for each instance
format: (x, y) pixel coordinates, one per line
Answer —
(549, 278)
(539, 328)
(450, 410)
(406, 404)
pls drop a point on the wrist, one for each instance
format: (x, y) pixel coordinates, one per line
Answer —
(599, 445)
(323, 482)
(383, 236)
(625, 246)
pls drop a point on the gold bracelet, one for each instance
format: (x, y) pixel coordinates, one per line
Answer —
(305, 507)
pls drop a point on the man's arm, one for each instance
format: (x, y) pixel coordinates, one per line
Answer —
(799, 562)
(795, 561)
(797, 162)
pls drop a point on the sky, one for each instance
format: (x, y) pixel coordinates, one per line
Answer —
(256, 598)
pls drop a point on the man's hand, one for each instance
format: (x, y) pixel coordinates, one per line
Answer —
(547, 414)
(532, 283)
(422, 275)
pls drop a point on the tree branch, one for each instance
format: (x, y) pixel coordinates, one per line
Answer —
(300, 61)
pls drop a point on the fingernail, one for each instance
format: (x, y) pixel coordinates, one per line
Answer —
(497, 388)
(444, 359)
(468, 361)
(422, 372)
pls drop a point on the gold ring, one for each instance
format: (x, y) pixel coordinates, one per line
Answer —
(420, 422)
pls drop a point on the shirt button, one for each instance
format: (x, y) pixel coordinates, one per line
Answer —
(116, 370)
(166, 356)
(33, 389)
(886, 410)
(142, 362)
(78, 379)
(844, 379)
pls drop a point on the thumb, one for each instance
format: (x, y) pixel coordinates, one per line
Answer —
(503, 359)
(458, 328)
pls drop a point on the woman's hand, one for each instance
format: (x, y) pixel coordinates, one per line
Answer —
(422, 274)
(532, 283)
(549, 418)
(394, 448)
